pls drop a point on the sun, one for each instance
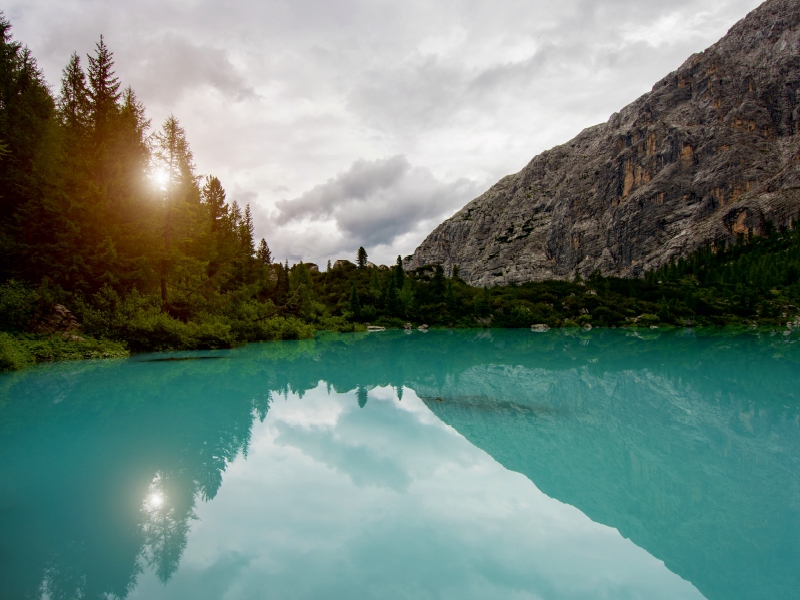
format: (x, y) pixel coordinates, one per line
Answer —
(160, 178)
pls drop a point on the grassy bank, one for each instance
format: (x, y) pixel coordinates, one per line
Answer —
(22, 350)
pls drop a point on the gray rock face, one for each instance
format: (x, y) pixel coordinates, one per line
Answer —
(60, 319)
(710, 153)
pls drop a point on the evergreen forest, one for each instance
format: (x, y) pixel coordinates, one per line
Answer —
(105, 214)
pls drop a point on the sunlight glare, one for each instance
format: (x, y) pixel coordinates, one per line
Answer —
(160, 177)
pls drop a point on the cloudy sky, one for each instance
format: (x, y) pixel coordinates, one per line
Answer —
(367, 122)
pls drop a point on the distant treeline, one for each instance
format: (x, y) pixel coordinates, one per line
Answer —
(105, 217)
(755, 282)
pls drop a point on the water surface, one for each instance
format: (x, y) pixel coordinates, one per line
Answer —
(447, 464)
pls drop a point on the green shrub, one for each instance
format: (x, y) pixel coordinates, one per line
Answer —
(284, 328)
(13, 355)
(19, 306)
(338, 324)
(646, 320)
(22, 350)
(389, 322)
(158, 332)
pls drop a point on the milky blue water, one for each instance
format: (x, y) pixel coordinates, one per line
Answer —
(447, 465)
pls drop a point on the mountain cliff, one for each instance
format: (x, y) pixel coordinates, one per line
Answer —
(710, 153)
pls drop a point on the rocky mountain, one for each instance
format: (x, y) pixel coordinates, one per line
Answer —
(711, 152)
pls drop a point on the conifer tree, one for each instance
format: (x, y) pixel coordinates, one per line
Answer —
(30, 218)
(133, 113)
(399, 273)
(375, 287)
(129, 161)
(449, 295)
(361, 257)
(362, 395)
(282, 286)
(392, 300)
(104, 94)
(246, 229)
(355, 303)
(73, 101)
(263, 253)
(213, 197)
(173, 160)
(437, 287)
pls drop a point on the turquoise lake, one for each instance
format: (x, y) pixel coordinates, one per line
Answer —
(447, 464)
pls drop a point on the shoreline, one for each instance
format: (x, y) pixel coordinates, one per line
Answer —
(22, 351)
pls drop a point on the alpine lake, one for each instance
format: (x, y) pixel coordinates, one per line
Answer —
(448, 464)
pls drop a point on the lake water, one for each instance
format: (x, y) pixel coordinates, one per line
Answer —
(447, 465)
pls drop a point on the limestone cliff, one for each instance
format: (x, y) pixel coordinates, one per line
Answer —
(712, 151)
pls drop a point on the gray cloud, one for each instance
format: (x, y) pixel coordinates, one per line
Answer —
(172, 67)
(243, 196)
(419, 94)
(276, 96)
(374, 202)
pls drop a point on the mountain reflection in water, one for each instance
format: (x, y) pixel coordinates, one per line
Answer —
(688, 445)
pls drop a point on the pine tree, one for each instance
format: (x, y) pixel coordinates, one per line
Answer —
(173, 161)
(449, 295)
(361, 257)
(129, 163)
(263, 254)
(104, 94)
(399, 274)
(31, 217)
(392, 300)
(246, 229)
(355, 303)
(362, 395)
(437, 286)
(213, 198)
(282, 285)
(133, 112)
(73, 101)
